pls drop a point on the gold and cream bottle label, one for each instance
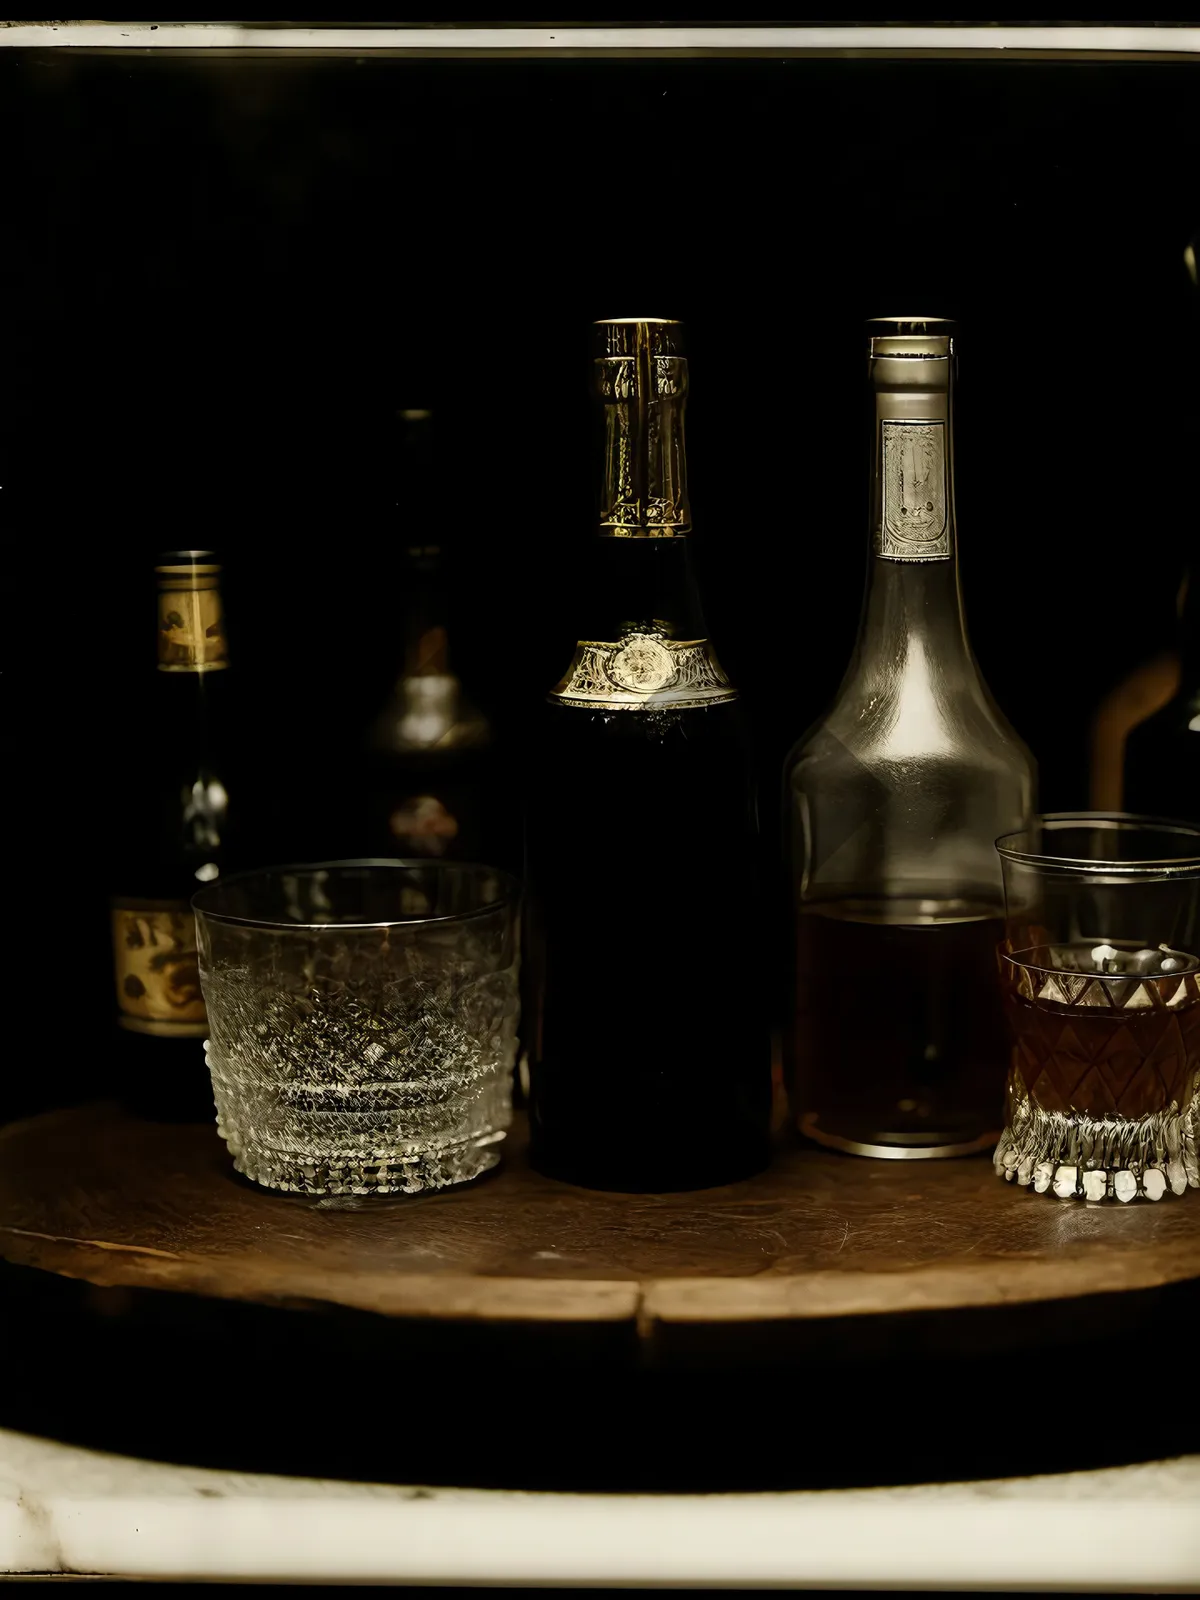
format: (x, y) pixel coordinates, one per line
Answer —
(154, 941)
(644, 671)
(156, 968)
(191, 622)
(914, 523)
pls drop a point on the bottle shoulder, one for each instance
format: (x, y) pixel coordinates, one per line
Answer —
(940, 721)
(987, 749)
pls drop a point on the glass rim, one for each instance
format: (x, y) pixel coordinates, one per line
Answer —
(1008, 845)
(511, 892)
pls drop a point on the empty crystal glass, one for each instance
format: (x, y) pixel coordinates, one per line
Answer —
(1100, 972)
(362, 1022)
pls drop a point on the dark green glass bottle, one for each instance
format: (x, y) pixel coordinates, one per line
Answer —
(171, 840)
(649, 1058)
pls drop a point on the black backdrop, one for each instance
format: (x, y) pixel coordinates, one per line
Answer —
(226, 274)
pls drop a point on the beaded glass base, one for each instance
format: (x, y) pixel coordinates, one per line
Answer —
(1082, 1157)
(366, 1145)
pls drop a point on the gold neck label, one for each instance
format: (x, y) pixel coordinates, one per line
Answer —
(191, 621)
(644, 672)
(644, 491)
(913, 520)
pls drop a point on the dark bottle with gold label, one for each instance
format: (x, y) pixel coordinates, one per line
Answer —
(430, 751)
(172, 839)
(649, 1058)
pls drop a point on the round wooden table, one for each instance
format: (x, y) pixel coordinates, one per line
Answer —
(902, 1296)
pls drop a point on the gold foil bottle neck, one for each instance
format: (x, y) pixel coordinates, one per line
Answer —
(631, 336)
(642, 381)
(191, 621)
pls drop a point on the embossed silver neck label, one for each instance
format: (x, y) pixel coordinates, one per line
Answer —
(644, 672)
(913, 524)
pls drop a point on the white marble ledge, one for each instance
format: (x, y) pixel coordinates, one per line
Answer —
(65, 1510)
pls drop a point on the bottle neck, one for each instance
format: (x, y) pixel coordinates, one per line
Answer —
(913, 601)
(643, 641)
(644, 582)
(643, 383)
(642, 586)
(426, 648)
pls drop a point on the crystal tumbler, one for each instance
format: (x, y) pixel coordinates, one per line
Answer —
(1100, 972)
(362, 1022)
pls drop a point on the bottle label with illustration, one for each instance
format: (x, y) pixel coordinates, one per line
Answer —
(913, 524)
(644, 671)
(191, 624)
(157, 973)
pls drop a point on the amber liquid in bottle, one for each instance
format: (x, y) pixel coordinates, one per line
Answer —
(913, 982)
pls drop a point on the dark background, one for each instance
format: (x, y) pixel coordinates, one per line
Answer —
(227, 274)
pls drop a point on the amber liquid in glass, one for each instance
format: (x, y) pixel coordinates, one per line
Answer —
(1123, 1047)
(901, 1038)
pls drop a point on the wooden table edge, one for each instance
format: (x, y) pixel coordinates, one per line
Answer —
(766, 1297)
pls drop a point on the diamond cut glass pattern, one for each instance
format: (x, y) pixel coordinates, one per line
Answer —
(1100, 973)
(362, 1023)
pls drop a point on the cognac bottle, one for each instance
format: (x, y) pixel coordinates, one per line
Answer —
(892, 804)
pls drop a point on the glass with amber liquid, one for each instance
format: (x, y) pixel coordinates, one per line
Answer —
(1101, 978)
(892, 803)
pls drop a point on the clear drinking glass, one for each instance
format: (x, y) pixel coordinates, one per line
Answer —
(362, 1022)
(1100, 972)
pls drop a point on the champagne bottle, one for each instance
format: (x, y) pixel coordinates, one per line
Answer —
(892, 804)
(172, 839)
(430, 760)
(649, 1060)
(1162, 754)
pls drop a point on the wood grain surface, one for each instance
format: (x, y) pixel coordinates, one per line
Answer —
(93, 1194)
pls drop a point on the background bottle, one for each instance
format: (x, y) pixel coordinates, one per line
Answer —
(1162, 754)
(172, 838)
(892, 806)
(431, 773)
(648, 1049)
(1145, 744)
